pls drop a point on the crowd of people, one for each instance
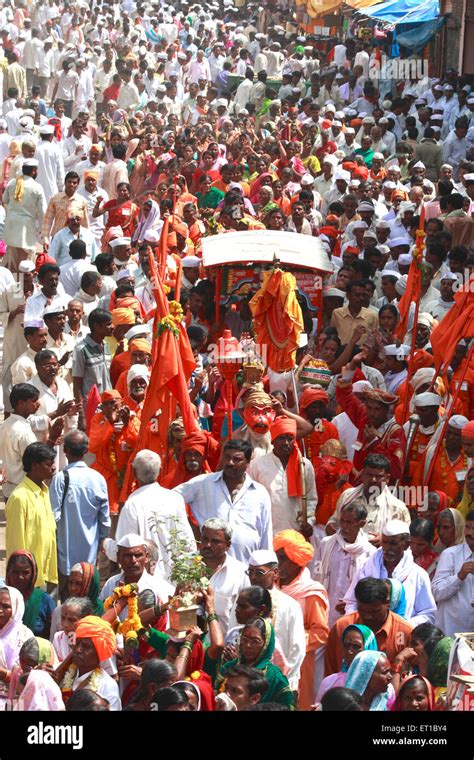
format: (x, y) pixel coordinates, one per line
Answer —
(330, 507)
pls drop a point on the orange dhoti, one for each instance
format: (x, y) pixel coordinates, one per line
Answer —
(112, 451)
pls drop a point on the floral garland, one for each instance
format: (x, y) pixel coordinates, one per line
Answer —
(70, 676)
(132, 624)
(168, 323)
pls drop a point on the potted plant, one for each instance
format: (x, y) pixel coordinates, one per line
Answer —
(190, 576)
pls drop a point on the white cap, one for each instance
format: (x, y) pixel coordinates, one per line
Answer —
(390, 273)
(55, 307)
(191, 262)
(330, 160)
(395, 528)
(405, 259)
(333, 293)
(360, 386)
(307, 179)
(458, 421)
(138, 370)
(449, 276)
(427, 399)
(30, 162)
(116, 242)
(26, 266)
(330, 107)
(38, 323)
(419, 165)
(47, 129)
(263, 557)
(130, 540)
(382, 224)
(123, 273)
(342, 174)
(397, 241)
(378, 155)
(401, 352)
(425, 319)
(137, 330)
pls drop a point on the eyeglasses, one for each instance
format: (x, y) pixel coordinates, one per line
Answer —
(257, 573)
(250, 640)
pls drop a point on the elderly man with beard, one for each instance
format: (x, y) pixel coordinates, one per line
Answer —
(395, 560)
(138, 377)
(154, 512)
(198, 455)
(94, 643)
(281, 474)
(232, 495)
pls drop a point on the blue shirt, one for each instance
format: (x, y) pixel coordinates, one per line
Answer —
(59, 247)
(84, 519)
(249, 515)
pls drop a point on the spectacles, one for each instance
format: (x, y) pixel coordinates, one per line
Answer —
(250, 640)
(258, 573)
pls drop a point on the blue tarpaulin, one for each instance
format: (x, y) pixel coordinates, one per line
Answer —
(416, 36)
(404, 11)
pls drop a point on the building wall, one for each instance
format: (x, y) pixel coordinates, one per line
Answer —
(459, 35)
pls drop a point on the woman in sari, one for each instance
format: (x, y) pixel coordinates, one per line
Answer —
(450, 527)
(36, 652)
(83, 581)
(264, 180)
(13, 635)
(421, 540)
(149, 219)
(416, 695)
(22, 574)
(370, 676)
(257, 643)
(355, 638)
(413, 660)
(208, 197)
(139, 164)
(383, 336)
(437, 501)
(438, 651)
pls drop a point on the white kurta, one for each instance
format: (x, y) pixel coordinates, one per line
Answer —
(152, 512)
(107, 688)
(15, 435)
(49, 402)
(455, 598)
(25, 216)
(227, 582)
(269, 471)
(50, 168)
(24, 368)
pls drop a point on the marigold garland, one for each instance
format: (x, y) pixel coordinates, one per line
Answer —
(132, 624)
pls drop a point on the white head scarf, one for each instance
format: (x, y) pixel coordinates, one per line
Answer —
(11, 637)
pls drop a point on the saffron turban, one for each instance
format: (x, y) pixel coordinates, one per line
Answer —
(122, 316)
(286, 426)
(128, 303)
(112, 395)
(468, 431)
(201, 442)
(140, 344)
(282, 426)
(310, 395)
(296, 548)
(101, 634)
(91, 173)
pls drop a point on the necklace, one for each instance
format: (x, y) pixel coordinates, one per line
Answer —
(91, 682)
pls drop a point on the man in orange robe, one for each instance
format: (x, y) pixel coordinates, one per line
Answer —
(294, 553)
(122, 361)
(112, 438)
(427, 408)
(466, 393)
(451, 463)
(313, 407)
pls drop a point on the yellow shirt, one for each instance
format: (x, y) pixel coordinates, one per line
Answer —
(31, 526)
(345, 323)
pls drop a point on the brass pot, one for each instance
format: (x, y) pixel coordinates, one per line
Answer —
(181, 620)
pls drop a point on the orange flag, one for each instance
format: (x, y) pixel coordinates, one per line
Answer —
(456, 325)
(411, 295)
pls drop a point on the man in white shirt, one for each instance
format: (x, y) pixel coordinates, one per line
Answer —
(229, 576)
(16, 434)
(453, 584)
(153, 512)
(76, 147)
(199, 69)
(50, 163)
(128, 97)
(132, 556)
(234, 496)
(395, 560)
(276, 471)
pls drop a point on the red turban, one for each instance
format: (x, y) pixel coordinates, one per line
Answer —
(287, 426)
(200, 441)
(361, 172)
(296, 548)
(468, 431)
(310, 395)
(101, 634)
(110, 396)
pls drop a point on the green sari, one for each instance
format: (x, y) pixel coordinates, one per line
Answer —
(211, 199)
(279, 689)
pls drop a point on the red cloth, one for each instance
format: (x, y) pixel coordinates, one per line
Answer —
(310, 395)
(392, 443)
(93, 401)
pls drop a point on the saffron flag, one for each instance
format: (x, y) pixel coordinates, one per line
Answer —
(93, 401)
(411, 295)
(457, 324)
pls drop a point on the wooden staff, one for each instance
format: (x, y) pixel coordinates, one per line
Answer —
(179, 276)
(175, 185)
(412, 358)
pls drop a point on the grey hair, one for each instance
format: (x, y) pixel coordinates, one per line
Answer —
(153, 552)
(147, 466)
(81, 603)
(217, 523)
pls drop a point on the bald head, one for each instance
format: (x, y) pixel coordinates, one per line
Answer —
(76, 444)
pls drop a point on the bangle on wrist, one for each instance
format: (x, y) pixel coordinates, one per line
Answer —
(396, 668)
(212, 616)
